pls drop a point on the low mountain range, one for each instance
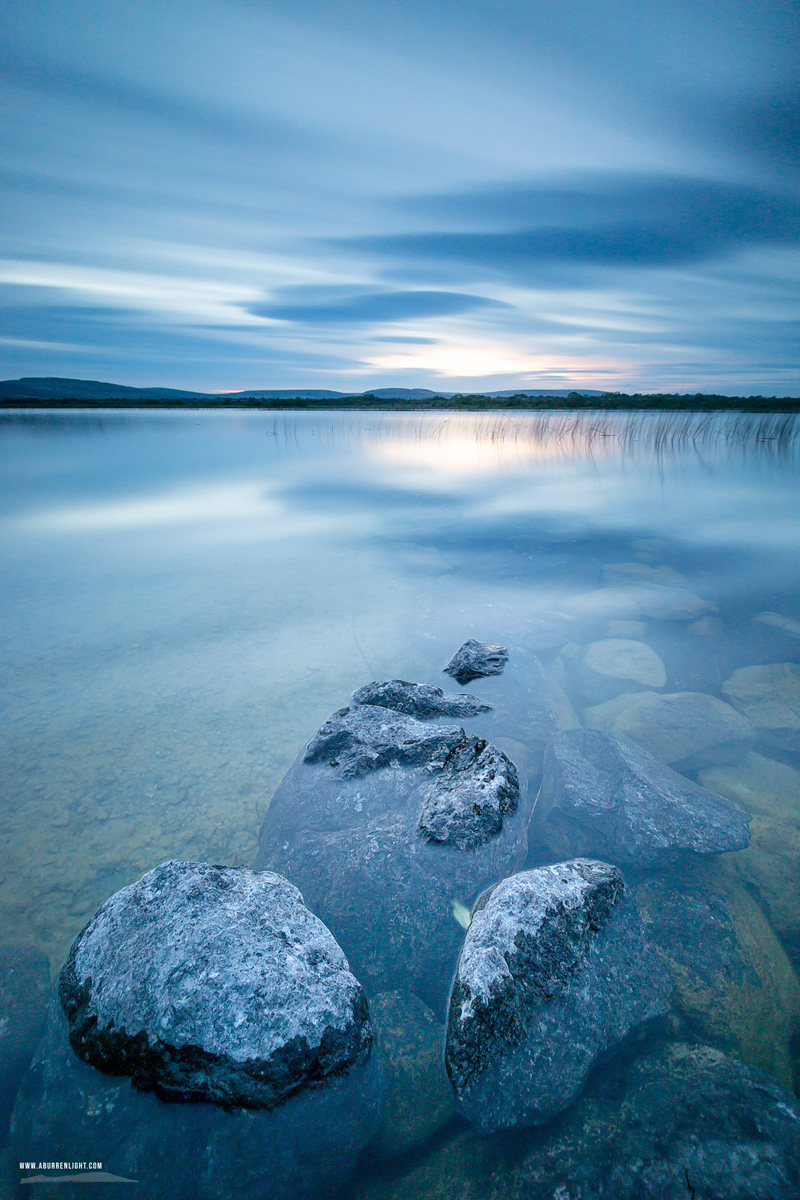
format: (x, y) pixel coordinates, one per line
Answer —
(55, 388)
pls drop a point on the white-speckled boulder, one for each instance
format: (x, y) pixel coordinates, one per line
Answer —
(555, 972)
(204, 1009)
(606, 797)
(384, 821)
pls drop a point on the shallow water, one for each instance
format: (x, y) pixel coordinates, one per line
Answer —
(187, 596)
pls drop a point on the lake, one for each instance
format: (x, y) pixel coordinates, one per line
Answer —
(187, 596)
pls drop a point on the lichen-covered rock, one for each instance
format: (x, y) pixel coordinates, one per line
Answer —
(733, 982)
(555, 971)
(687, 730)
(419, 1098)
(476, 660)
(678, 1122)
(24, 989)
(604, 796)
(769, 696)
(217, 986)
(383, 822)
(421, 700)
(615, 665)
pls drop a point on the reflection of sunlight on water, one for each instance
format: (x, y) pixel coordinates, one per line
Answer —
(467, 446)
(229, 502)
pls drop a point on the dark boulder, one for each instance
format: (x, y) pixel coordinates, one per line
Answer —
(604, 795)
(384, 822)
(680, 1122)
(476, 660)
(24, 989)
(424, 701)
(555, 972)
(217, 986)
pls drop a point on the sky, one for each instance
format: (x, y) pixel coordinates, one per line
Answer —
(462, 195)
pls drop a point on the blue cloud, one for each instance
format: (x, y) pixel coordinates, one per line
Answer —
(377, 307)
(619, 221)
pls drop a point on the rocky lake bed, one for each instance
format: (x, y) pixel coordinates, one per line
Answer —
(516, 918)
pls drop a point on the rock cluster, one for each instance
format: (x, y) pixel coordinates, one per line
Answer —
(393, 818)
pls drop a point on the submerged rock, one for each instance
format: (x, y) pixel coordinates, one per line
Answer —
(528, 704)
(554, 973)
(476, 660)
(769, 696)
(216, 986)
(688, 730)
(778, 621)
(419, 1098)
(670, 603)
(383, 822)
(770, 867)
(733, 982)
(616, 665)
(602, 604)
(424, 701)
(604, 796)
(677, 1122)
(24, 989)
(618, 574)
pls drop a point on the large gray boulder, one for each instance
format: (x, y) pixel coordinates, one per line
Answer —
(216, 986)
(24, 990)
(678, 1122)
(606, 797)
(384, 821)
(554, 973)
(687, 730)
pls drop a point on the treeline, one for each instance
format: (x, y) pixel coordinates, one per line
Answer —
(466, 402)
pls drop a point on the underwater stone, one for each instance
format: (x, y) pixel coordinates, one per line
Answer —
(769, 696)
(304, 1149)
(603, 604)
(688, 730)
(383, 822)
(616, 665)
(604, 796)
(618, 574)
(24, 990)
(555, 971)
(419, 1097)
(670, 603)
(734, 986)
(213, 983)
(476, 660)
(680, 1121)
(421, 700)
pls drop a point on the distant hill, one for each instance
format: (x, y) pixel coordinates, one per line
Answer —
(56, 388)
(43, 392)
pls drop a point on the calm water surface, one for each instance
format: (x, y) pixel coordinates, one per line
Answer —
(187, 596)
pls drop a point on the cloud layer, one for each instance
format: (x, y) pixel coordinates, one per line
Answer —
(227, 194)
